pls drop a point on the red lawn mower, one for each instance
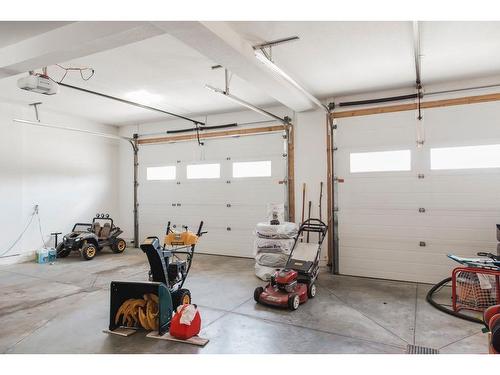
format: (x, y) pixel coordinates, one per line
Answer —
(295, 284)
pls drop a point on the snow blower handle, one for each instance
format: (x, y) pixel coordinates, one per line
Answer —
(200, 232)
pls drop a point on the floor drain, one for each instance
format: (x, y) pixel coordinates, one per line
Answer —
(415, 349)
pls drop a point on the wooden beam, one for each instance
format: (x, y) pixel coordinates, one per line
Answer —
(413, 106)
(291, 174)
(218, 134)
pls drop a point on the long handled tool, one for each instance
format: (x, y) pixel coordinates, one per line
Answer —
(303, 200)
(303, 204)
(308, 217)
(320, 197)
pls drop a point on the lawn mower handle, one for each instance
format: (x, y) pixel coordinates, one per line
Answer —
(489, 255)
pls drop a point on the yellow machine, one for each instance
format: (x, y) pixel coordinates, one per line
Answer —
(186, 238)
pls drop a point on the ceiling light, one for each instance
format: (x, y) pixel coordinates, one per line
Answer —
(246, 104)
(278, 71)
(144, 97)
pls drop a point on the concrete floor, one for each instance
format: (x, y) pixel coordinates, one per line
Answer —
(63, 308)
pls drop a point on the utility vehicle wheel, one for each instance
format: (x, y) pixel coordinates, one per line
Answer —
(119, 246)
(293, 301)
(181, 297)
(61, 251)
(89, 251)
(257, 292)
(311, 290)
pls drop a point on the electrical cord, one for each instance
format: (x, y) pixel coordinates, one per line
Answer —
(30, 220)
(440, 307)
(81, 70)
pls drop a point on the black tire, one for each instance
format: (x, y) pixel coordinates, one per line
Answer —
(89, 251)
(311, 290)
(119, 246)
(61, 251)
(495, 336)
(181, 297)
(293, 301)
(257, 292)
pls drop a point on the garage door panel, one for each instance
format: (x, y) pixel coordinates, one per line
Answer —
(383, 201)
(394, 270)
(459, 183)
(379, 218)
(186, 202)
(443, 246)
(431, 218)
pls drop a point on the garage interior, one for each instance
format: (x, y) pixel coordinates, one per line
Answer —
(385, 131)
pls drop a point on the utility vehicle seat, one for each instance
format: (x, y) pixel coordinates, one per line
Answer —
(105, 231)
(96, 228)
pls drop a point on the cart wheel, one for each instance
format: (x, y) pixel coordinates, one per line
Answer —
(119, 246)
(181, 297)
(257, 292)
(89, 251)
(61, 251)
(311, 290)
(495, 335)
(293, 302)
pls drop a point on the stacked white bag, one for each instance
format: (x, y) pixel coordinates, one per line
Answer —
(272, 246)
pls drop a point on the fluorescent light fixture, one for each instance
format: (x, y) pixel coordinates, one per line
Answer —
(278, 71)
(144, 97)
(246, 104)
(44, 125)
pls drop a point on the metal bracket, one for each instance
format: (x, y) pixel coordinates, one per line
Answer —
(35, 106)
(276, 42)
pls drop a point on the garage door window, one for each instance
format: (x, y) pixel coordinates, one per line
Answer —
(161, 173)
(197, 171)
(252, 169)
(380, 161)
(468, 157)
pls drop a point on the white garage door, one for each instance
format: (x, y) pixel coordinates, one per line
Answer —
(199, 185)
(397, 225)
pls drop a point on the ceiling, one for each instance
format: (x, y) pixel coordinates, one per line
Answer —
(15, 31)
(329, 59)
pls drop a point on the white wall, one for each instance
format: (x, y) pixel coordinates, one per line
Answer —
(310, 155)
(71, 176)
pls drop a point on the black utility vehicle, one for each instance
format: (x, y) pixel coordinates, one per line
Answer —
(89, 238)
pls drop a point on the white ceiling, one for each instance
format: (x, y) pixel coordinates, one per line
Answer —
(15, 31)
(330, 59)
